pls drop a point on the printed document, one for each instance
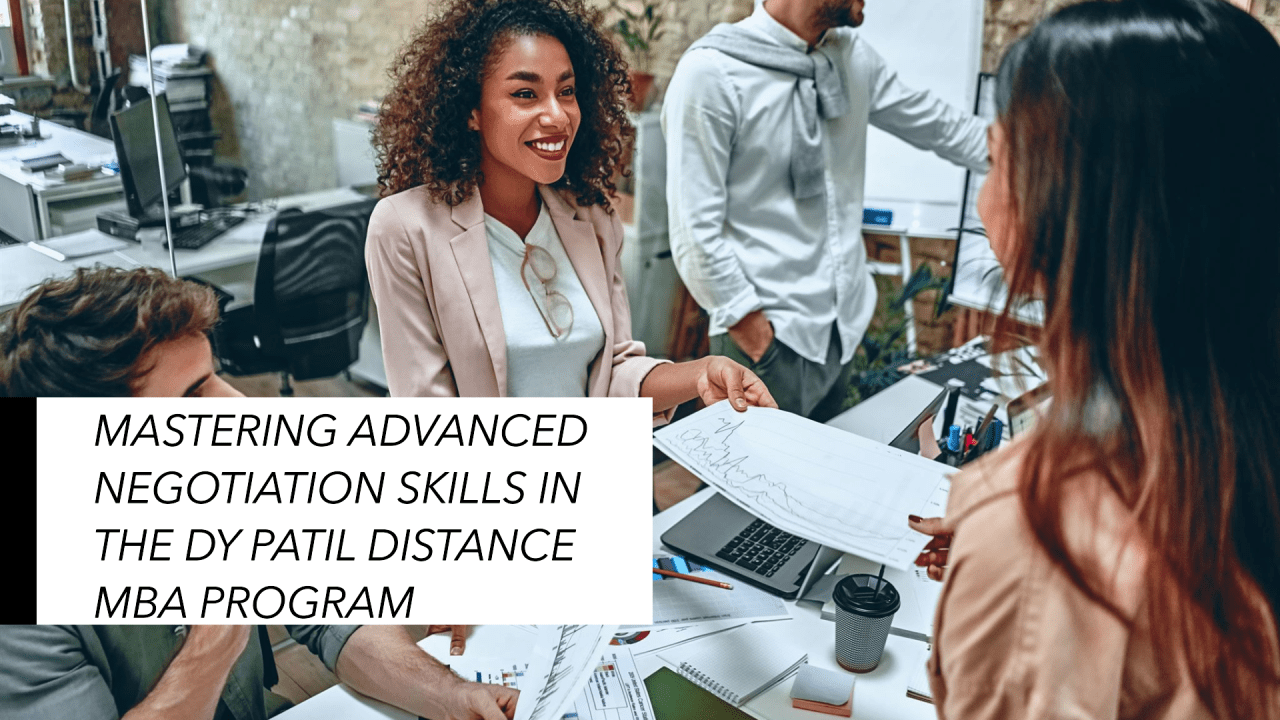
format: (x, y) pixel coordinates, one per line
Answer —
(813, 480)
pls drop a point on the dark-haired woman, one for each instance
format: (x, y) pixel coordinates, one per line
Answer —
(1123, 559)
(494, 259)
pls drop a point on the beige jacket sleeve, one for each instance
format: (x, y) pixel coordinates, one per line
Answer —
(415, 359)
(630, 364)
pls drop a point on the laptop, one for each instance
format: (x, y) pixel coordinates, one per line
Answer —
(721, 534)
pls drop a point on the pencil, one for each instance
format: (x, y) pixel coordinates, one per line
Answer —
(694, 578)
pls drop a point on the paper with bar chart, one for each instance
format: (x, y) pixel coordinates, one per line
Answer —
(614, 688)
(561, 667)
(830, 486)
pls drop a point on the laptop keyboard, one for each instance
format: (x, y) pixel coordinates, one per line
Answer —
(197, 237)
(761, 548)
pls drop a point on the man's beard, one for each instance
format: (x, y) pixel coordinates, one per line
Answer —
(837, 13)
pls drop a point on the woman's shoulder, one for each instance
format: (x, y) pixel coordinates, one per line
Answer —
(416, 217)
(986, 511)
(411, 202)
(605, 220)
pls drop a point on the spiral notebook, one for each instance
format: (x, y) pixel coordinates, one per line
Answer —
(738, 664)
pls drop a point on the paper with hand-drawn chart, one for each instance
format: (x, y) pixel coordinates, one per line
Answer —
(813, 480)
(613, 690)
(562, 665)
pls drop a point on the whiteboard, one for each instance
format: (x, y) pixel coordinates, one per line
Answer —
(977, 278)
(933, 45)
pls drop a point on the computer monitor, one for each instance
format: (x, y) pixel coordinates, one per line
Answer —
(135, 137)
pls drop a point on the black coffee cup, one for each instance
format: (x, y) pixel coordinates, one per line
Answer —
(865, 606)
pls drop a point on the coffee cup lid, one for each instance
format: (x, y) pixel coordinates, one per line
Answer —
(857, 594)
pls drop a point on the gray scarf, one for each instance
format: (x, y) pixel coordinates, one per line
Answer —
(818, 93)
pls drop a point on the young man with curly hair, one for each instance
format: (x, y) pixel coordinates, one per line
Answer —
(495, 256)
(111, 332)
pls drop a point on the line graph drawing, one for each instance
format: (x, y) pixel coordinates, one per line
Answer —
(812, 480)
(563, 661)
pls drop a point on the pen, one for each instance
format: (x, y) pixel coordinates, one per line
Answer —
(997, 433)
(693, 578)
(981, 434)
(951, 452)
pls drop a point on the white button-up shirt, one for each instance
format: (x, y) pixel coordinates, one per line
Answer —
(740, 239)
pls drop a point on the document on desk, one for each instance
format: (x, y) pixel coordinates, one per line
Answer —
(680, 602)
(824, 484)
(78, 245)
(562, 665)
(614, 689)
(645, 641)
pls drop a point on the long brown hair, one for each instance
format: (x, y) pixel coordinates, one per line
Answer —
(1144, 149)
(422, 136)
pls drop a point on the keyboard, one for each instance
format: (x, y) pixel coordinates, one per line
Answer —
(194, 238)
(761, 548)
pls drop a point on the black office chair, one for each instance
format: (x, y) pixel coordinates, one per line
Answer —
(311, 298)
(107, 102)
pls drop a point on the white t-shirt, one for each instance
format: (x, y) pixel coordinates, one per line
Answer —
(539, 364)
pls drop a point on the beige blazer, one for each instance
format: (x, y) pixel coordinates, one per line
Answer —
(1015, 638)
(437, 301)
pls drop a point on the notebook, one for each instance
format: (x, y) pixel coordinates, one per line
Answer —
(738, 664)
(676, 698)
(918, 683)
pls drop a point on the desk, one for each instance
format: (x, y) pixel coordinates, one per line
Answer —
(229, 259)
(25, 197)
(880, 694)
(877, 695)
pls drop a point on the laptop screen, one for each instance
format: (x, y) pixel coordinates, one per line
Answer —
(908, 439)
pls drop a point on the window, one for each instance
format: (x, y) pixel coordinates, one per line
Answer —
(13, 46)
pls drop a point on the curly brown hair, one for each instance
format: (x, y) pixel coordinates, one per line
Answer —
(88, 335)
(422, 136)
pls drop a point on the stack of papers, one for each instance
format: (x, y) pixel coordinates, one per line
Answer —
(81, 244)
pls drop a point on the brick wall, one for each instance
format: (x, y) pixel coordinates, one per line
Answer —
(285, 68)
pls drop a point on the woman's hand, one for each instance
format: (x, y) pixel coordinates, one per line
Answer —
(928, 442)
(935, 554)
(723, 378)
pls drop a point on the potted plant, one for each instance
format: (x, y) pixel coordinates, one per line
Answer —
(639, 29)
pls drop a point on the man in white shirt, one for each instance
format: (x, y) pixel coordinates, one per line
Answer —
(766, 126)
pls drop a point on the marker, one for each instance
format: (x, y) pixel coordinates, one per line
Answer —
(952, 455)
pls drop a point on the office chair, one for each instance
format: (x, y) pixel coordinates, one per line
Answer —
(311, 298)
(106, 103)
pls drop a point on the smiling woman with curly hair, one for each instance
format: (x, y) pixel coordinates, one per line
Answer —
(422, 135)
(494, 256)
